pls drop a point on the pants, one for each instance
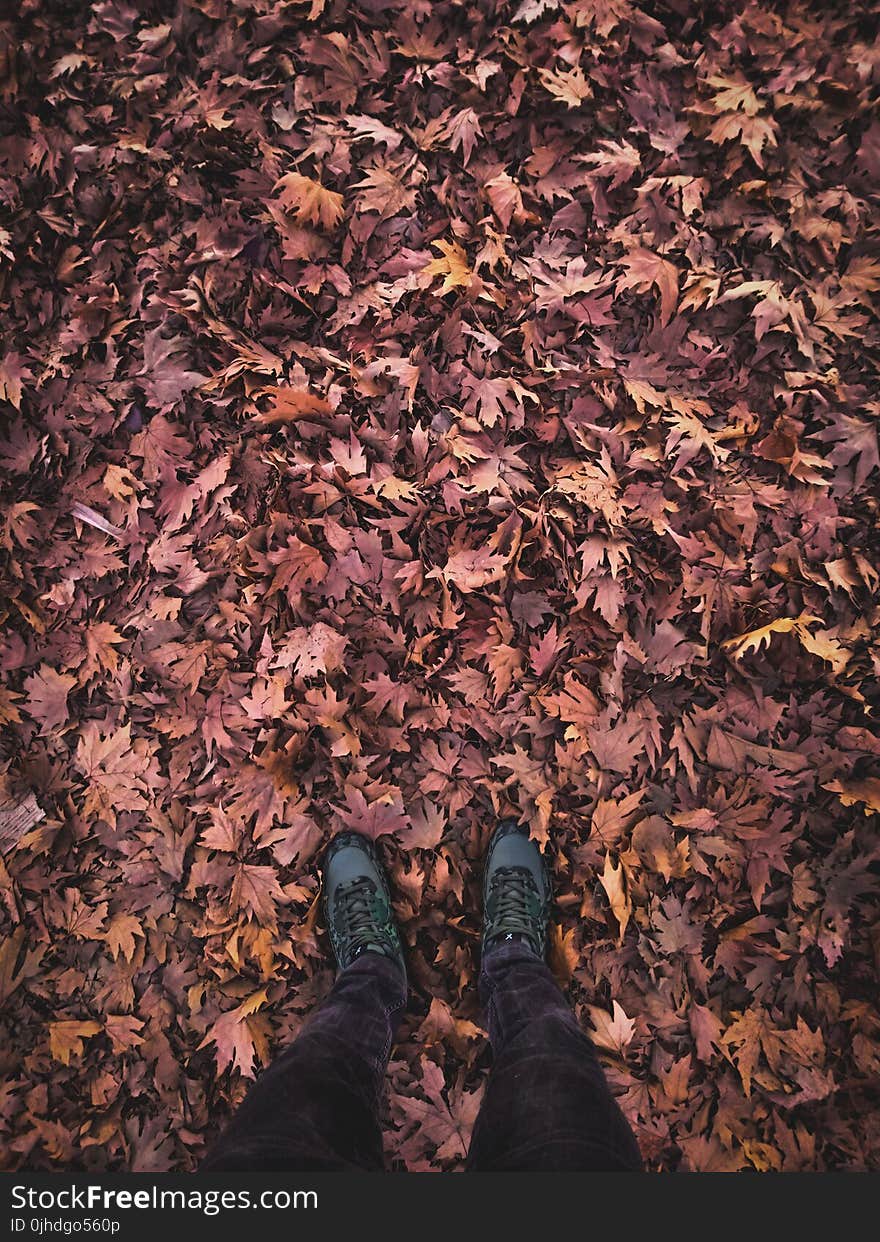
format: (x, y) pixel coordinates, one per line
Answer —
(546, 1106)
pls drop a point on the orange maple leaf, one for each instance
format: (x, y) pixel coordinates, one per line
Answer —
(310, 202)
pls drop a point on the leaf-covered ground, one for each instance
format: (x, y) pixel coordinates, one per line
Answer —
(412, 413)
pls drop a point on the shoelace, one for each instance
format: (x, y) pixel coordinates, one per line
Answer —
(514, 898)
(356, 915)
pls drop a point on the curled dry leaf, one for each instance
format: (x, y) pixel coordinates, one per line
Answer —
(287, 405)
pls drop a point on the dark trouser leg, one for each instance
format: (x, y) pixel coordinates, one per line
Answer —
(317, 1105)
(547, 1104)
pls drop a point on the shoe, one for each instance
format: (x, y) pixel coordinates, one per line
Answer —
(516, 890)
(357, 903)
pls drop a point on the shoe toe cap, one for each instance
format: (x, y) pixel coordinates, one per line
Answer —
(350, 857)
(516, 849)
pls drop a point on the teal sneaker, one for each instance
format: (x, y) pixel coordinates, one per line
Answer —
(516, 890)
(357, 903)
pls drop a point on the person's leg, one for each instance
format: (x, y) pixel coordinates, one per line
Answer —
(317, 1106)
(547, 1104)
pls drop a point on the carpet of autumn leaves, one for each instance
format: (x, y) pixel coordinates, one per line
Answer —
(413, 413)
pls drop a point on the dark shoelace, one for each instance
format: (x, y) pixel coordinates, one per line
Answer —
(514, 903)
(356, 916)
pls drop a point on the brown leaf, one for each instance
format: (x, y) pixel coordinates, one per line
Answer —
(612, 880)
(237, 1036)
(384, 814)
(290, 404)
(613, 1031)
(657, 848)
(706, 1030)
(67, 1038)
(309, 201)
(644, 270)
(563, 953)
(440, 1025)
(255, 892)
(452, 265)
(47, 692)
(123, 1029)
(864, 792)
(120, 935)
(569, 86)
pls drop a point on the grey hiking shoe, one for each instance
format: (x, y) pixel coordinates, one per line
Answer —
(516, 890)
(357, 903)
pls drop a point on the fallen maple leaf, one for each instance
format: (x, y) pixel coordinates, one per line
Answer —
(462, 130)
(12, 372)
(167, 376)
(114, 768)
(66, 1038)
(101, 639)
(819, 644)
(384, 814)
(452, 265)
(612, 880)
(568, 86)
(563, 953)
(17, 965)
(644, 269)
(120, 935)
(612, 817)
(47, 692)
(754, 132)
(310, 202)
(124, 1030)
(255, 891)
(855, 442)
(441, 1025)
(505, 196)
(734, 94)
(427, 826)
(617, 160)
(864, 792)
(653, 841)
(289, 404)
(470, 569)
(613, 1031)
(237, 1037)
(706, 1030)
(754, 640)
(318, 649)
